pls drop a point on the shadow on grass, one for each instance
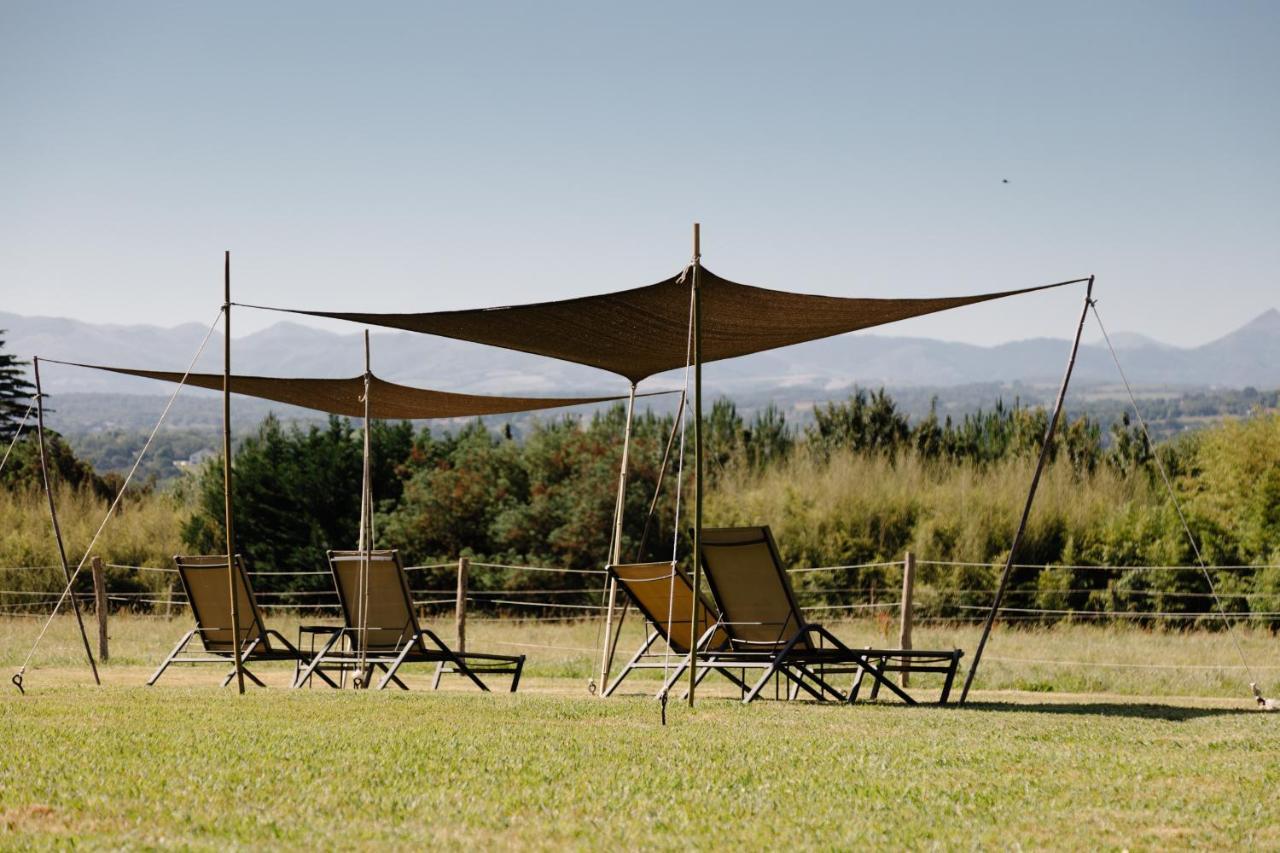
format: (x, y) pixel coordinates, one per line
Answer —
(1137, 710)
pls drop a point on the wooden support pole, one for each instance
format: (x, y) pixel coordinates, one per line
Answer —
(615, 550)
(366, 525)
(697, 455)
(460, 609)
(100, 607)
(1031, 496)
(904, 625)
(57, 529)
(233, 585)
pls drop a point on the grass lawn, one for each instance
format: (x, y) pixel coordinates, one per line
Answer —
(190, 765)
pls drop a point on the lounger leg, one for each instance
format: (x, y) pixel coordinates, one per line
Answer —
(395, 679)
(173, 654)
(675, 677)
(865, 662)
(703, 672)
(313, 666)
(798, 682)
(856, 685)
(881, 679)
(626, 670)
(760, 684)
(299, 658)
(951, 676)
(741, 683)
(244, 655)
(395, 664)
(247, 674)
(456, 660)
(435, 682)
(515, 676)
(772, 669)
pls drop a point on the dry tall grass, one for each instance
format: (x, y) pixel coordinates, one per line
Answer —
(143, 532)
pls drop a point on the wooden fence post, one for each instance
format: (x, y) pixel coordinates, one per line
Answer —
(100, 605)
(460, 615)
(904, 629)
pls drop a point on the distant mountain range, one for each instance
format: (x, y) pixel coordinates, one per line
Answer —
(1249, 356)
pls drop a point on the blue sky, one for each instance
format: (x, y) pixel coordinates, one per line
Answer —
(428, 155)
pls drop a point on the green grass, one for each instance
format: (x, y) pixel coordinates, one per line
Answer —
(205, 768)
(188, 765)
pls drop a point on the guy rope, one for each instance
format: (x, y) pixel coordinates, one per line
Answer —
(66, 593)
(1263, 703)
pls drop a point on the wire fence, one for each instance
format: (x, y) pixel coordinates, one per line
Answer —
(517, 599)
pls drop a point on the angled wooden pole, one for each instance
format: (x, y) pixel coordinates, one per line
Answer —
(698, 460)
(1031, 496)
(615, 549)
(57, 529)
(233, 577)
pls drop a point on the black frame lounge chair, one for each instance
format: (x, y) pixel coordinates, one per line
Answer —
(764, 622)
(394, 636)
(659, 591)
(204, 579)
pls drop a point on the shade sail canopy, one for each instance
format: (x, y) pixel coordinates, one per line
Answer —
(344, 396)
(637, 333)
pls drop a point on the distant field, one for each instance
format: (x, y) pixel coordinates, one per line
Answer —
(1070, 658)
(188, 765)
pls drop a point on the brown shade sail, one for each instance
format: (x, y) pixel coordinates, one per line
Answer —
(387, 400)
(637, 333)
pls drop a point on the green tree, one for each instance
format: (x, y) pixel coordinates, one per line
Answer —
(295, 494)
(16, 393)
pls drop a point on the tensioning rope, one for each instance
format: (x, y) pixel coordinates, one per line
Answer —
(1173, 498)
(675, 533)
(17, 676)
(17, 433)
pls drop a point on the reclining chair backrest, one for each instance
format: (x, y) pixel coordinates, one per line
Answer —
(209, 593)
(659, 593)
(390, 618)
(746, 576)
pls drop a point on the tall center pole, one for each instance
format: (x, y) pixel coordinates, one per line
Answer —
(697, 455)
(366, 525)
(615, 548)
(57, 529)
(1031, 496)
(232, 575)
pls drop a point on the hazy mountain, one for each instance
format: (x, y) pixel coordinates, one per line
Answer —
(1249, 356)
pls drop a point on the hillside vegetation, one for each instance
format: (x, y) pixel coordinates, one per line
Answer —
(862, 483)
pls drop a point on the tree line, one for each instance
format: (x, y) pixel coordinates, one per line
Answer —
(858, 482)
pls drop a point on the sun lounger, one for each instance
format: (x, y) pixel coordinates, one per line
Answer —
(387, 634)
(764, 622)
(664, 596)
(204, 579)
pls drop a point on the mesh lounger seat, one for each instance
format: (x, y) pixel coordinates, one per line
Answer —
(763, 621)
(393, 637)
(204, 579)
(664, 596)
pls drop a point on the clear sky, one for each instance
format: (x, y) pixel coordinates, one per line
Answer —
(443, 155)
